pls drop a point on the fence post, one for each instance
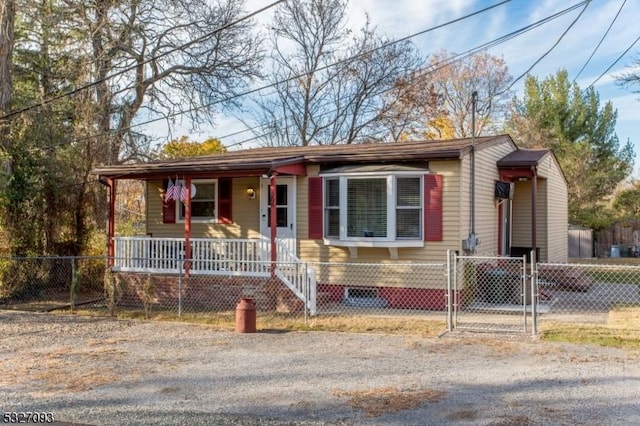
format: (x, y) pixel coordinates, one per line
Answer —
(313, 287)
(523, 291)
(449, 293)
(180, 266)
(305, 289)
(534, 293)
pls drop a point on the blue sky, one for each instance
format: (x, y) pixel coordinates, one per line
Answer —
(400, 18)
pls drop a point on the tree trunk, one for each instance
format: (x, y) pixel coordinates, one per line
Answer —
(7, 16)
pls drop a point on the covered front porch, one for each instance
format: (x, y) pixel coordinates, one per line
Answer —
(211, 257)
(231, 221)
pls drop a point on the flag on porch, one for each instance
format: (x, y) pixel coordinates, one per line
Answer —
(171, 192)
(183, 192)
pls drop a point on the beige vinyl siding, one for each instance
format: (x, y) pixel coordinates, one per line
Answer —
(486, 171)
(521, 215)
(551, 212)
(558, 215)
(245, 213)
(542, 219)
(487, 208)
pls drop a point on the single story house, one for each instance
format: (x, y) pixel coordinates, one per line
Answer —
(249, 211)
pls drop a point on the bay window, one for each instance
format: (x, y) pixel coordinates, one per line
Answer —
(373, 207)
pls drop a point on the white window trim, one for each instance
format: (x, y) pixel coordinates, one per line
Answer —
(213, 219)
(390, 241)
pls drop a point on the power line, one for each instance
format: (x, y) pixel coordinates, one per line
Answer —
(586, 4)
(613, 64)
(133, 67)
(601, 40)
(427, 71)
(435, 67)
(258, 89)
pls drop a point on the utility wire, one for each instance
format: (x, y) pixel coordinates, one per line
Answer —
(613, 64)
(435, 67)
(586, 4)
(427, 71)
(600, 42)
(295, 77)
(133, 67)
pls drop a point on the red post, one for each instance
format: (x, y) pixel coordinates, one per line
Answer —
(111, 221)
(274, 221)
(187, 225)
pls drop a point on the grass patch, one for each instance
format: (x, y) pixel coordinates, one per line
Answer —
(225, 320)
(622, 330)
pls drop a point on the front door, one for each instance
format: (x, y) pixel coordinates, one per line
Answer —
(285, 210)
(505, 227)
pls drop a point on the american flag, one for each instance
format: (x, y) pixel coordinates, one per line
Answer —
(171, 192)
(183, 191)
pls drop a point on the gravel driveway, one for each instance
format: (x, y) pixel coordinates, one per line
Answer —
(113, 372)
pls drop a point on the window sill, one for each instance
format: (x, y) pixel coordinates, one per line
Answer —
(392, 246)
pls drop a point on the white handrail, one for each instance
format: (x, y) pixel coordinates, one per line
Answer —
(296, 274)
(216, 256)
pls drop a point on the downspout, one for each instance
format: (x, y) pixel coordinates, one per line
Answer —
(273, 220)
(187, 226)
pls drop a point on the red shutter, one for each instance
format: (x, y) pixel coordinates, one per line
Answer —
(433, 207)
(168, 207)
(315, 208)
(224, 200)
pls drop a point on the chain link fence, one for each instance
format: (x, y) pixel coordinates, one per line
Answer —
(492, 293)
(587, 292)
(476, 288)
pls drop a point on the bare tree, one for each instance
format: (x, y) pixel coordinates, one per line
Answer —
(329, 82)
(455, 79)
(164, 58)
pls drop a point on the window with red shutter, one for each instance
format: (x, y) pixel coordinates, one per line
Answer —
(315, 208)
(224, 200)
(433, 207)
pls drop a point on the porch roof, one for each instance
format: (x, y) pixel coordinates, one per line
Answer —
(256, 161)
(523, 158)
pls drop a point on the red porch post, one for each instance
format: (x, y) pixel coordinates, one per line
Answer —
(111, 221)
(273, 219)
(187, 225)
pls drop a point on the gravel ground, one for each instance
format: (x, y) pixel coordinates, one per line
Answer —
(99, 371)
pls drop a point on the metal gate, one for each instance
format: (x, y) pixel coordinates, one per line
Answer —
(492, 294)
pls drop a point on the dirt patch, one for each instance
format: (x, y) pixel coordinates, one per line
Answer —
(379, 401)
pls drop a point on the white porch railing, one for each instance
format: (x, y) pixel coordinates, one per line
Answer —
(242, 257)
(300, 279)
(245, 257)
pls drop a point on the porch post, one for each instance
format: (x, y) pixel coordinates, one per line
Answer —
(111, 221)
(187, 225)
(273, 220)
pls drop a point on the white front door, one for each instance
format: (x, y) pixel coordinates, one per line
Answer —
(285, 210)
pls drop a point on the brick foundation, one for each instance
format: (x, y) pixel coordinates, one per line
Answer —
(205, 292)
